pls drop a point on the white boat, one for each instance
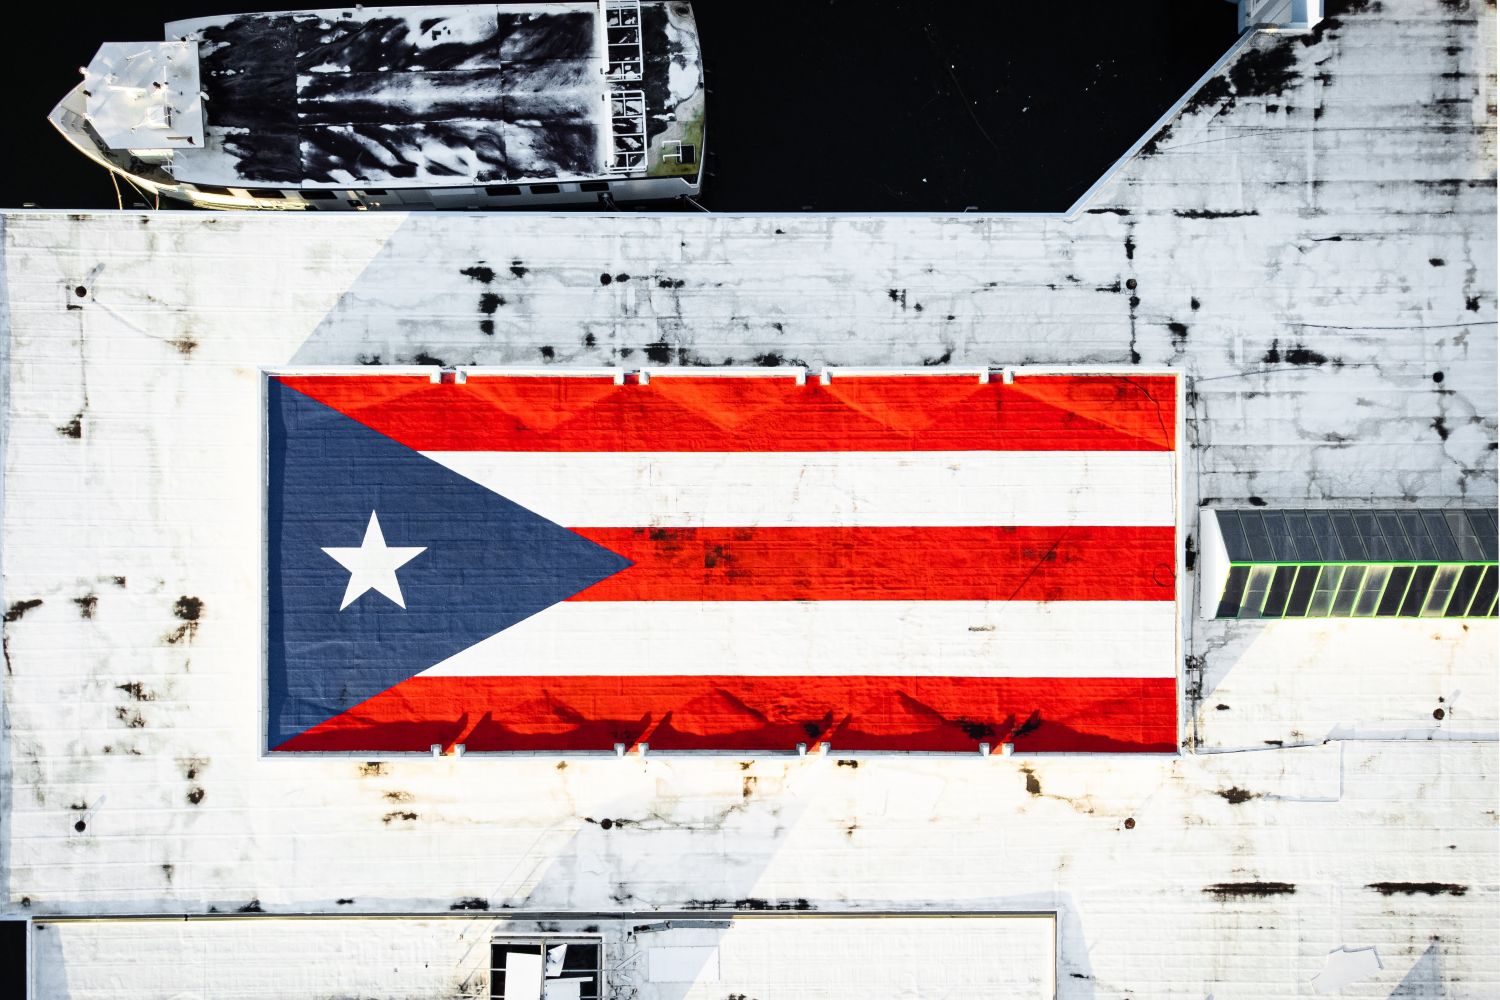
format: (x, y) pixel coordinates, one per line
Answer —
(464, 107)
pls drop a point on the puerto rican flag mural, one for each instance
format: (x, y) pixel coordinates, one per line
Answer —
(530, 561)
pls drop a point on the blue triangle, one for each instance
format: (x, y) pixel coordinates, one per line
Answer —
(489, 563)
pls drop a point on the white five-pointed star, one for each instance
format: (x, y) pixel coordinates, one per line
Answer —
(373, 565)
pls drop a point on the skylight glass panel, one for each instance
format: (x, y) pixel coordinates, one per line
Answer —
(1369, 594)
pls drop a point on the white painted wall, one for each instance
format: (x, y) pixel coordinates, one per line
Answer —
(1350, 216)
(787, 956)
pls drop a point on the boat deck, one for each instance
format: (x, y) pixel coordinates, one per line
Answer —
(417, 95)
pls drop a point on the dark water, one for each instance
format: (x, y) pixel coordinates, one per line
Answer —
(826, 105)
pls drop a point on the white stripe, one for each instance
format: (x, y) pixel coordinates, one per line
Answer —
(830, 489)
(831, 638)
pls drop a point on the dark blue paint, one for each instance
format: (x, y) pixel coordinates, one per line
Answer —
(489, 563)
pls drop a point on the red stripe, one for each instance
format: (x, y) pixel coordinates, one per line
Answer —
(852, 413)
(890, 564)
(756, 713)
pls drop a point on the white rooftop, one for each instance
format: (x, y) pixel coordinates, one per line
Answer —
(1312, 245)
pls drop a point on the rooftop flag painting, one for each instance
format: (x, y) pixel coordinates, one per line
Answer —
(564, 563)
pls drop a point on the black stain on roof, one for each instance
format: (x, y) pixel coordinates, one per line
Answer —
(1208, 213)
(659, 352)
(423, 358)
(1032, 724)
(470, 903)
(251, 907)
(547, 352)
(489, 302)
(1256, 502)
(606, 279)
(479, 273)
(1440, 424)
(189, 610)
(1264, 72)
(400, 814)
(848, 763)
(753, 903)
(1297, 355)
(1238, 890)
(1436, 261)
(1211, 94)
(371, 769)
(18, 610)
(1033, 785)
(73, 428)
(768, 360)
(975, 730)
(87, 604)
(1236, 795)
(1472, 303)
(195, 796)
(1424, 888)
(137, 691)
(518, 269)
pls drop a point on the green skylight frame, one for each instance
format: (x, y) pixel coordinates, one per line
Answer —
(1432, 563)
